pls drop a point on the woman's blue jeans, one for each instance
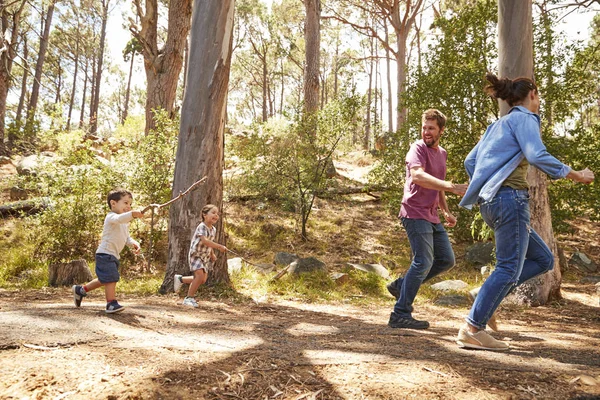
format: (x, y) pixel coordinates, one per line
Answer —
(521, 254)
(432, 255)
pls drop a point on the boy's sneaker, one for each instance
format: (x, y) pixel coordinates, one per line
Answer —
(394, 287)
(177, 283)
(113, 307)
(480, 340)
(190, 301)
(78, 294)
(408, 323)
(492, 323)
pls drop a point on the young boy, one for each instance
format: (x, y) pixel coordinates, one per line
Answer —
(115, 235)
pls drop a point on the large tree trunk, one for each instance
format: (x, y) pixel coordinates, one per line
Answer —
(201, 134)
(312, 38)
(7, 55)
(98, 78)
(389, 83)
(35, 89)
(163, 65)
(515, 53)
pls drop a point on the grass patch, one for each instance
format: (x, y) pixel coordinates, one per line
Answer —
(313, 287)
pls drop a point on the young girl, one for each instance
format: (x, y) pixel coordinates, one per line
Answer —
(201, 255)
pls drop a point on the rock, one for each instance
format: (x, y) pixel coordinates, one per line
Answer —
(582, 262)
(16, 193)
(264, 268)
(30, 164)
(449, 285)
(234, 265)
(283, 258)
(308, 264)
(339, 277)
(66, 274)
(454, 300)
(480, 254)
(330, 170)
(590, 279)
(485, 270)
(372, 268)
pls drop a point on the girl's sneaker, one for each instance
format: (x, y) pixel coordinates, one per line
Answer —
(113, 307)
(78, 294)
(177, 282)
(190, 301)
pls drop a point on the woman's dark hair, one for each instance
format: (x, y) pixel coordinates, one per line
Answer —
(513, 91)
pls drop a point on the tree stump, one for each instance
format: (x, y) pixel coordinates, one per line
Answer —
(66, 274)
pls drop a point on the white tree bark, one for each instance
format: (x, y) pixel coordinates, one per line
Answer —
(515, 59)
(200, 147)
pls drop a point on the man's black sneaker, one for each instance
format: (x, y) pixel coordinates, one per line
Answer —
(407, 323)
(394, 288)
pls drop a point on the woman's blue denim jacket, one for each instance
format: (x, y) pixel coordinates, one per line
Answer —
(501, 149)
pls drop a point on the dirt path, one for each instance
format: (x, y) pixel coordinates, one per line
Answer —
(157, 349)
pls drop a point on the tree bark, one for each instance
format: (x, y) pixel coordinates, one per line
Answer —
(201, 134)
(163, 65)
(72, 98)
(312, 38)
(98, 75)
(515, 55)
(8, 53)
(128, 92)
(35, 89)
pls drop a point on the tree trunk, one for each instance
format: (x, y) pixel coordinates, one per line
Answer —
(23, 95)
(128, 92)
(96, 97)
(265, 78)
(389, 84)
(73, 90)
(367, 136)
(201, 133)
(515, 54)
(312, 38)
(163, 65)
(7, 55)
(85, 81)
(35, 89)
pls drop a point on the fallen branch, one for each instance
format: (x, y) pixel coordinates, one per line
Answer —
(281, 273)
(24, 207)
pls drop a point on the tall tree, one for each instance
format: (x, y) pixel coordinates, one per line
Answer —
(10, 19)
(201, 133)
(515, 58)
(401, 16)
(35, 89)
(312, 39)
(161, 63)
(99, 63)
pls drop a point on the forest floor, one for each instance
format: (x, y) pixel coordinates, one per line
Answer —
(274, 348)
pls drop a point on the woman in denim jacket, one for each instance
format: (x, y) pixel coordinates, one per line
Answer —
(497, 167)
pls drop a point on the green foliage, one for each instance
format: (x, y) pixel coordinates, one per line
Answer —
(19, 264)
(76, 188)
(289, 163)
(451, 80)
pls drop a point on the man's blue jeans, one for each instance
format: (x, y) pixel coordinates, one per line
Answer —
(521, 254)
(432, 255)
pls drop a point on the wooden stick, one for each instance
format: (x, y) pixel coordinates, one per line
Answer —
(173, 200)
(243, 259)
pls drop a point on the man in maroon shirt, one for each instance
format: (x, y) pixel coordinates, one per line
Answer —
(424, 194)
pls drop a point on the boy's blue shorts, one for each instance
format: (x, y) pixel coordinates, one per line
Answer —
(107, 268)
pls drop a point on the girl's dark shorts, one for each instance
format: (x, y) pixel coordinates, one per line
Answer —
(107, 268)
